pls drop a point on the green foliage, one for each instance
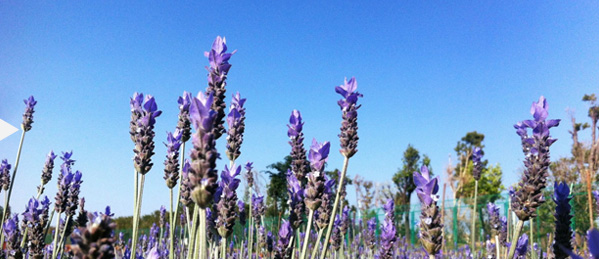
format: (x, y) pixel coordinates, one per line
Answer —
(276, 192)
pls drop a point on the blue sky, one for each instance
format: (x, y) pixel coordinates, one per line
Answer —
(429, 72)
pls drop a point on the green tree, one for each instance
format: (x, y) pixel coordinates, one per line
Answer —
(276, 192)
(403, 180)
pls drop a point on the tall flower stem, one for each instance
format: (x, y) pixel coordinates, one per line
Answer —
(223, 247)
(497, 253)
(192, 234)
(531, 238)
(315, 248)
(12, 181)
(307, 234)
(62, 238)
(202, 233)
(589, 189)
(473, 228)
(175, 212)
(515, 237)
(334, 210)
(250, 230)
(137, 214)
(55, 245)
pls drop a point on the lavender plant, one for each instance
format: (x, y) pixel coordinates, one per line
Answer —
(528, 196)
(563, 220)
(348, 139)
(431, 226)
(217, 76)
(477, 155)
(236, 122)
(388, 235)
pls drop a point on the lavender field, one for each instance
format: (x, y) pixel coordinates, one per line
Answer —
(550, 213)
(315, 129)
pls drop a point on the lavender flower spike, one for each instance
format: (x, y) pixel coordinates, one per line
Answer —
(528, 195)
(95, 240)
(349, 125)
(47, 171)
(227, 203)
(299, 164)
(521, 247)
(430, 218)
(37, 219)
(13, 238)
(184, 122)
(144, 131)
(369, 237)
(498, 224)
(217, 76)
(323, 213)
(319, 153)
(28, 114)
(284, 249)
(563, 220)
(202, 172)
(171, 164)
(295, 201)
(5, 174)
(186, 185)
(388, 235)
(236, 122)
(477, 155)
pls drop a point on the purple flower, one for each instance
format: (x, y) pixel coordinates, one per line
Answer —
(249, 175)
(521, 247)
(295, 201)
(13, 237)
(62, 193)
(236, 122)
(369, 237)
(430, 218)
(82, 217)
(73, 196)
(477, 155)
(47, 171)
(388, 232)
(336, 235)
(299, 164)
(323, 213)
(28, 114)
(143, 136)
(66, 159)
(258, 207)
(318, 155)
(283, 247)
(227, 203)
(349, 125)
(241, 212)
(217, 76)
(37, 219)
(426, 188)
(563, 220)
(185, 185)
(171, 164)
(95, 240)
(184, 122)
(528, 195)
(162, 220)
(202, 172)
(5, 174)
(344, 224)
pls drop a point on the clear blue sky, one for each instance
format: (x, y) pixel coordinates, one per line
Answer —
(429, 72)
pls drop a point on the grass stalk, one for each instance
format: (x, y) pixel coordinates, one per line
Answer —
(12, 182)
(514, 240)
(307, 236)
(473, 228)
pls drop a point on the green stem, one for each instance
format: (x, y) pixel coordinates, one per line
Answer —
(55, 245)
(514, 240)
(137, 215)
(202, 233)
(531, 240)
(307, 236)
(334, 211)
(176, 211)
(62, 237)
(473, 228)
(317, 244)
(223, 249)
(192, 234)
(497, 253)
(251, 230)
(12, 182)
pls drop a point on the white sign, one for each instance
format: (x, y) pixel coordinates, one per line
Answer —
(6, 129)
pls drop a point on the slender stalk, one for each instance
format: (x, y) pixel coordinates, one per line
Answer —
(223, 249)
(176, 211)
(192, 234)
(307, 233)
(473, 228)
(497, 247)
(531, 239)
(62, 237)
(334, 210)
(202, 233)
(315, 248)
(12, 181)
(514, 240)
(55, 242)
(137, 215)
(431, 256)
(251, 230)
